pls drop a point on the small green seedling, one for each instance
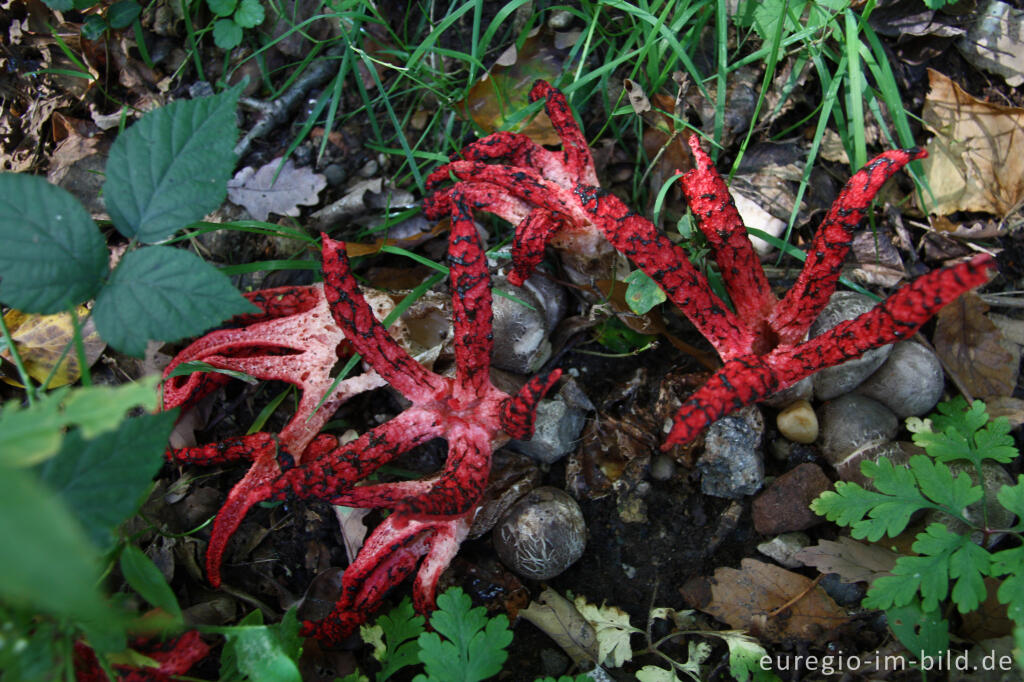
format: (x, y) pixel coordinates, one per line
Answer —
(233, 17)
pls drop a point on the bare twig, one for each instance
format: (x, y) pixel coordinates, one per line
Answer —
(276, 112)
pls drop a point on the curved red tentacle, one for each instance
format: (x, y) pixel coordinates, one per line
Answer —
(713, 207)
(366, 334)
(801, 305)
(747, 379)
(519, 411)
(471, 304)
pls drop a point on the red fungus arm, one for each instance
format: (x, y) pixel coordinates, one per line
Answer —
(668, 265)
(324, 472)
(716, 214)
(746, 380)
(471, 304)
(579, 163)
(518, 412)
(366, 334)
(456, 491)
(802, 303)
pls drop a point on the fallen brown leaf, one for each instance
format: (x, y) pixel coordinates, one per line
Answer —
(771, 602)
(976, 159)
(971, 346)
(853, 561)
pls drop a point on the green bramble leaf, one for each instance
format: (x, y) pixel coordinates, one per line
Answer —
(103, 479)
(122, 14)
(394, 638)
(227, 35)
(262, 653)
(172, 167)
(165, 294)
(249, 14)
(34, 433)
(54, 256)
(222, 8)
(46, 561)
(643, 293)
(474, 645)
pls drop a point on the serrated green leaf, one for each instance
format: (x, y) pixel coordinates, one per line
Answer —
(122, 14)
(400, 629)
(101, 480)
(94, 27)
(146, 579)
(919, 630)
(54, 256)
(927, 575)
(969, 565)
(222, 8)
(475, 646)
(98, 409)
(46, 562)
(172, 167)
(165, 294)
(249, 14)
(227, 35)
(642, 293)
(936, 481)
(33, 434)
(1010, 496)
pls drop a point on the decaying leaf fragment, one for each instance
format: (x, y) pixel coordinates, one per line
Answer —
(41, 341)
(972, 347)
(853, 561)
(559, 619)
(771, 602)
(261, 195)
(976, 160)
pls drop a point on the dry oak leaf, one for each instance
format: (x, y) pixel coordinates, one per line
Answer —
(747, 599)
(976, 159)
(971, 346)
(261, 195)
(853, 561)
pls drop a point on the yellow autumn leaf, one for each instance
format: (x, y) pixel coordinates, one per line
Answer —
(41, 339)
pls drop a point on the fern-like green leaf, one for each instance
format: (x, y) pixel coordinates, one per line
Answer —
(937, 483)
(943, 555)
(474, 648)
(962, 432)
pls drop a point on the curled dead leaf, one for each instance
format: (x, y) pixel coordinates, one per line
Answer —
(971, 346)
(42, 339)
(976, 159)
